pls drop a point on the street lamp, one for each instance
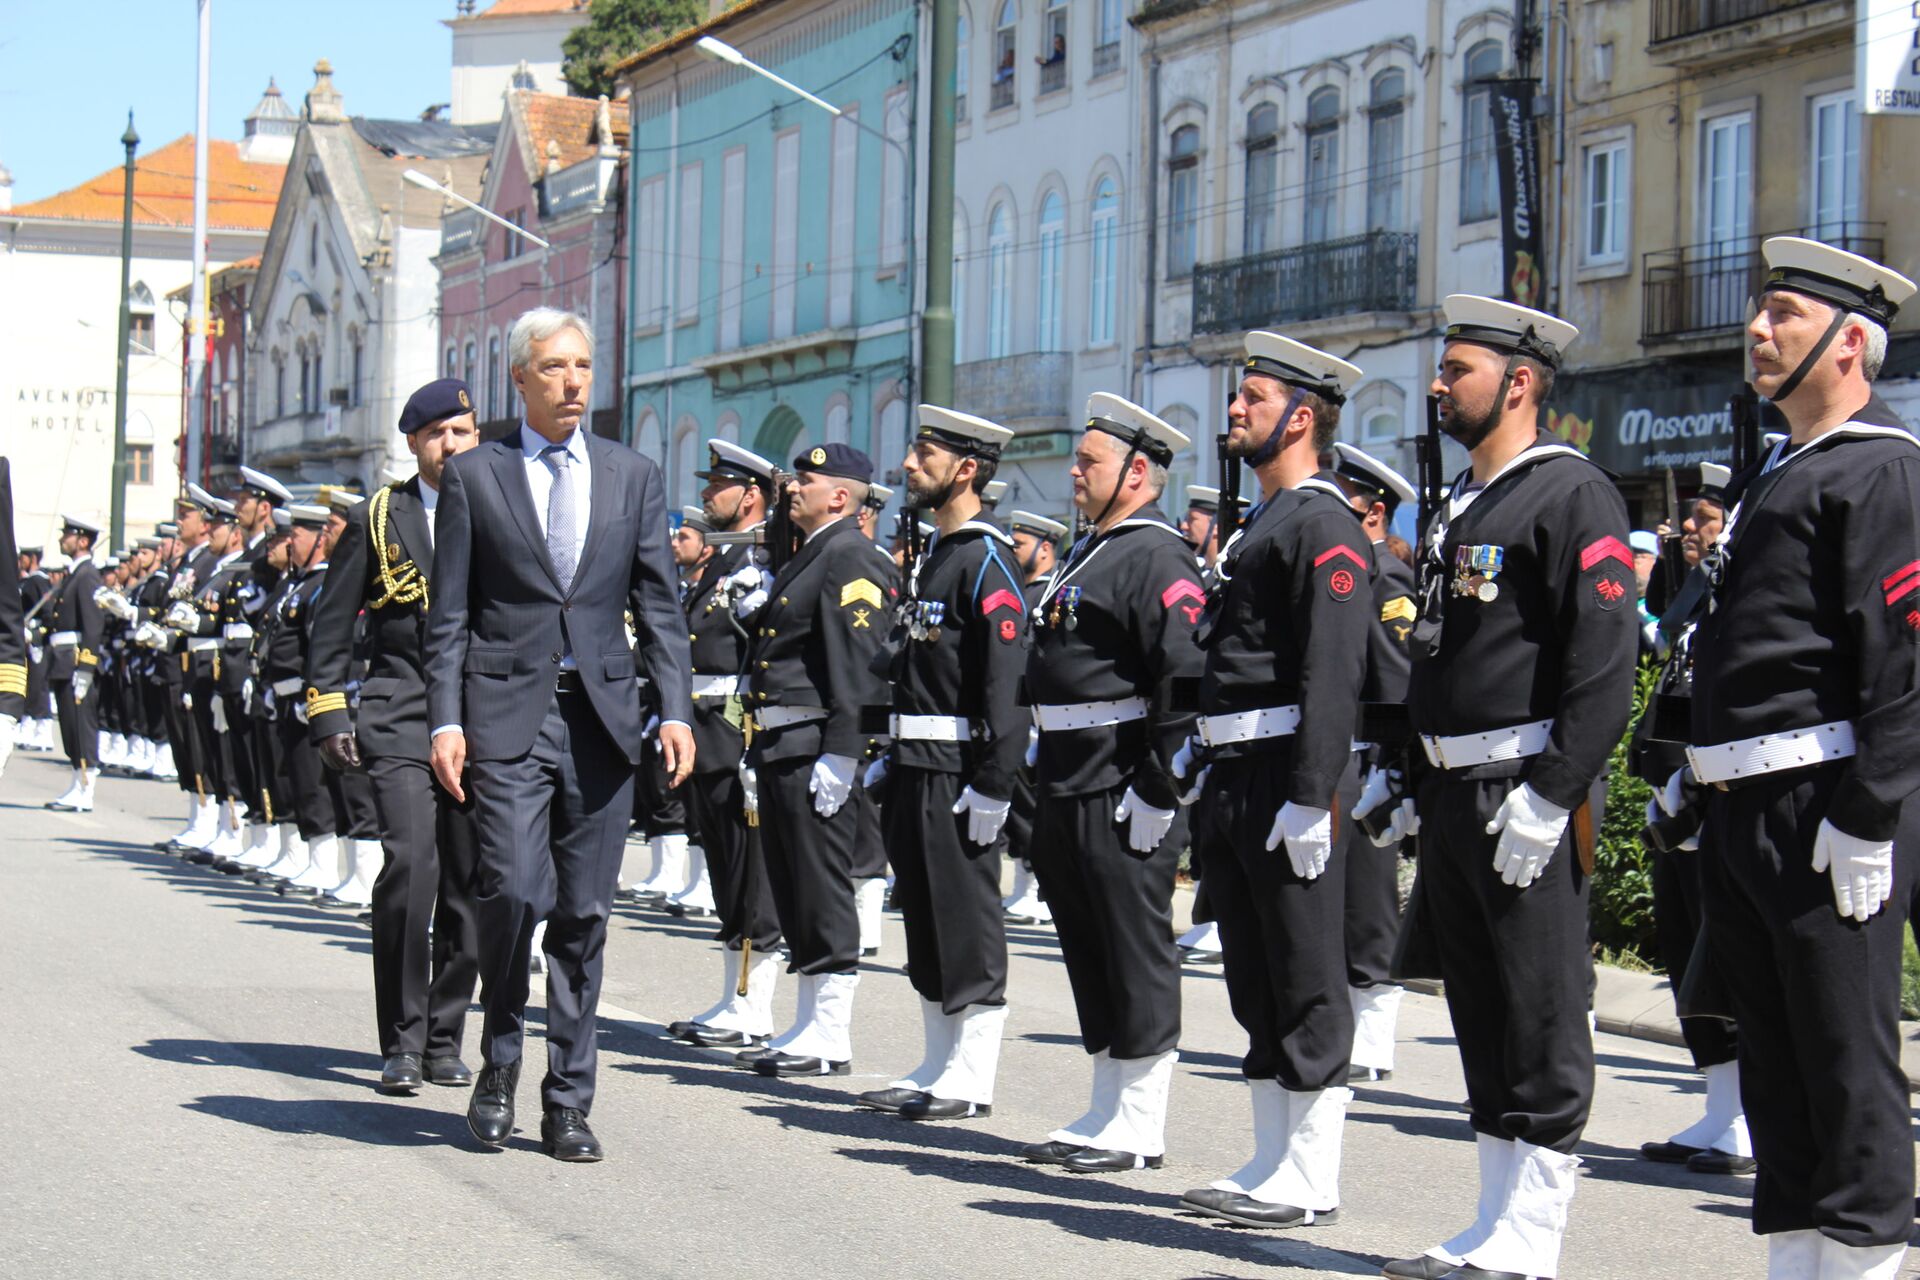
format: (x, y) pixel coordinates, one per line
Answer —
(117, 525)
(420, 179)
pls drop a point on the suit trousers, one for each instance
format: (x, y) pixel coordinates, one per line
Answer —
(948, 890)
(1818, 1003)
(79, 722)
(1676, 928)
(810, 868)
(869, 842)
(244, 782)
(1516, 965)
(659, 808)
(1373, 893)
(356, 815)
(310, 784)
(274, 799)
(1281, 939)
(742, 892)
(426, 936)
(552, 826)
(1113, 912)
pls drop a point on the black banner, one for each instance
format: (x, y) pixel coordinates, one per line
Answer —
(1516, 155)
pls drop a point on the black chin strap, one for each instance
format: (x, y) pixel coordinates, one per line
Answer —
(1126, 463)
(1794, 379)
(1270, 447)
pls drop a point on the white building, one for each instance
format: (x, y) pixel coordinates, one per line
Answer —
(60, 272)
(344, 321)
(511, 44)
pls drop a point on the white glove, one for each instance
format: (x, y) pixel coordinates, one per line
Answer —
(1529, 827)
(1182, 764)
(150, 635)
(300, 711)
(1672, 797)
(82, 685)
(182, 616)
(877, 772)
(1376, 791)
(1862, 870)
(8, 726)
(745, 590)
(650, 728)
(1309, 835)
(1146, 825)
(246, 690)
(985, 815)
(831, 784)
(749, 793)
(1033, 746)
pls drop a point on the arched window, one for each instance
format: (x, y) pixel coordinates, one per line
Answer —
(684, 458)
(999, 284)
(782, 435)
(1386, 151)
(1323, 163)
(493, 375)
(279, 385)
(1053, 236)
(140, 331)
(306, 370)
(1183, 201)
(1053, 47)
(359, 351)
(467, 376)
(959, 289)
(1104, 284)
(1006, 49)
(888, 439)
(1479, 183)
(1263, 179)
(839, 419)
(962, 46)
(453, 362)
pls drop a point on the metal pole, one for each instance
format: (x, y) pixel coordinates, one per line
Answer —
(936, 322)
(117, 526)
(197, 296)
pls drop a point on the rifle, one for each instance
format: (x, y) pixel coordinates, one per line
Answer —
(1427, 449)
(1673, 555)
(1228, 519)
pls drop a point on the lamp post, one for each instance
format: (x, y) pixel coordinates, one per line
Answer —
(118, 524)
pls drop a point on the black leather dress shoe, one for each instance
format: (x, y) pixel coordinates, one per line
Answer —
(1423, 1267)
(1092, 1160)
(490, 1111)
(749, 1058)
(722, 1038)
(400, 1073)
(799, 1064)
(1249, 1212)
(1721, 1162)
(1206, 1199)
(1669, 1152)
(448, 1071)
(932, 1108)
(1050, 1152)
(1201, 956)
(1466, 1271)
(890, 1099)
(564, 1136)
(1368, 1075)
(681, 1030)
(200, 857)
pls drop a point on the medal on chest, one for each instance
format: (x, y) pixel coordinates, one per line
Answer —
(924, 619)
(1476, 570)
(1066, 608)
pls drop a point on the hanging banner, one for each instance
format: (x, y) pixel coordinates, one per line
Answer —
(1887, 57)
(1517, 158)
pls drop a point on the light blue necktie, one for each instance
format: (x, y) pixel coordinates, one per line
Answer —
(560, 514)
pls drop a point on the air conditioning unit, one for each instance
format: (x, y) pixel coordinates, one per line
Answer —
(337, 395)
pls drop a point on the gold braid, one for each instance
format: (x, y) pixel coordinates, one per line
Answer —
(402, 583)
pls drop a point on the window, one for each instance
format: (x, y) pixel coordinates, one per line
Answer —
(1183, 201)
(840, 206)
(1479, 183)
(961, 47)
(139, 464)
(686, 280)
(1103, 287)
(1386, 152)
(319, 393)
(1053, 234)
(453, 362)
(839, 418)
(650, 233)
(1006, 46)
(893, 184)
(733, 243)
(1053, 47)
(1323, 164)
(468, 377)
(999, 284)
(786, 229)
(493, 377)
(306, 371)
(1263, 179)
(959, 289)
(140, 334)
(511, 245)
(313, 249)
(279, 385)
(1726, 182)
(1607, 169)
(1835, 166)
(1106, 50)
(359, 345)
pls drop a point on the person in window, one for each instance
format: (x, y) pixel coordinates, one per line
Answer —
(1004, 72)
(1055, 55)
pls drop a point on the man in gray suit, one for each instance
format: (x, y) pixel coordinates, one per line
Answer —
(542, 540)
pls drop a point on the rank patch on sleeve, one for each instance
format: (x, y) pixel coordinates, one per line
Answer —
(1182, 589)
(1603, 549)
(1341, 550)
(860, 589)
(1340, 584)
(1009, 631)
(1902, 582)
(1608, 592)
(1002, 599)
(1400, 608)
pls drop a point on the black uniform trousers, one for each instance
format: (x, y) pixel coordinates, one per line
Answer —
(658, 807)
(810, 868)
(1817, 999)
(180, 735)
(1017, 835)
(39, 685)
(742, 893)
(1516, 967)
(214, 749)
(869, 842)
(552, 826)
(1113, 912)
(1373, 893)
(426, 891)
(310, 784)
(107, 688)
(1676, 930)
(272, 801)
(1281, 940)
(948, 890)
(243, 781)
(154, 701)
(79, 721)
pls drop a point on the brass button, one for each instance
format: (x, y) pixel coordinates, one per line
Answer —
(762, 697)
(783, 599)
(772, 632)
(691, 639)
(764, 664)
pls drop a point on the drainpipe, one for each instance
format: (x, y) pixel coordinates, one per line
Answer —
(1147, 184)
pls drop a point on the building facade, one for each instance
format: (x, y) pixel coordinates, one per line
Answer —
(225, 390)
(508, 45)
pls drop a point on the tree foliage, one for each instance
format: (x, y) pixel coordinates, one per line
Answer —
(617, 29)
(1622, 904)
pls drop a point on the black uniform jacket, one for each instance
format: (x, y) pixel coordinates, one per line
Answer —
(1817, 615)
(1288, 626)
(232, 598)
(1558, 641)
(824, 624)
(1397, 608)
(962, 653)
(1118, 620)
(76, 611)
(718, 640)
(13, 637)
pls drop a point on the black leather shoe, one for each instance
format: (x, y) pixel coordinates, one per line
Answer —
(1721, 1162)
(1206, 1199)
(1368, 1075)
(1467, 1271)
(681, 1030)
(564, 1136)
(799, 1064)
(890, 1099)
(1669, 1152)
(932, 1108)
(490, 1111)
(1423, 1267)
(448, 1071)
(1249, 1212)
(1201, 956)
(721, 1038)
(200, 857)
(1050, 1152)
(749, 1058)
(400, 1073)
(1090, 1160)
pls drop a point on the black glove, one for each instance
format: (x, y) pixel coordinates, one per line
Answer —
(341, 751)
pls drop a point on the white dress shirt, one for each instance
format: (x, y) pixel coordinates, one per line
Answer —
(540, 481)
(430, 499)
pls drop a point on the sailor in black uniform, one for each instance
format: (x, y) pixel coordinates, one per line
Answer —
(1113, 635)
(204, 534)
(870, 844)
(959, 734)
(13, 635)
(36, 723)
(1523, 667)
(1806, 735)
(659, 808)
(75, 643)
(1036, 543)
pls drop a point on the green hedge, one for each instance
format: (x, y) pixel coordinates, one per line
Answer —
(1622, 896)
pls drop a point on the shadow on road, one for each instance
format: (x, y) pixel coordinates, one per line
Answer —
(305, 1061)
(1166, 1230)
(383, 1124)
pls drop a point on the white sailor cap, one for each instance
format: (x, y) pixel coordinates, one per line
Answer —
(962, 431)
(1039, 526)
(282, 521)
(878, 496)
(695, 518)
(727, 460)
(1328, 377)
(1140, 430)
(1835, 277)
(1714, 478)
(198, 497)
(992, 492)
(147, 544)
(396, 472)
(266, 486)
(72, 524)
(1202, 497)
(167, 529)
(111, 562)
(1509, 327)
(306, 516)
(342, 500)
(1371, 474)
(53, 562)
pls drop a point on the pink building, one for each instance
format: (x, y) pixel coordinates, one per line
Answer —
(556, 171)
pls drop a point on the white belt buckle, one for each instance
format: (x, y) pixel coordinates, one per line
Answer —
(715, 686)
(929, 728)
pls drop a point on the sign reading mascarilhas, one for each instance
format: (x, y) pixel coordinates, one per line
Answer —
(1515, 156)
(1887, 56)
(1637, 420)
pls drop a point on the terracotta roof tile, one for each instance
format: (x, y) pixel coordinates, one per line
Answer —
(239, 195)
(525, 8)
(568, 121)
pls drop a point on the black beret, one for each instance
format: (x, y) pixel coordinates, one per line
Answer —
(842, 460)
(442, 398)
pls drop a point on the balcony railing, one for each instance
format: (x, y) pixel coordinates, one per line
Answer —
(1053, 76)
(1106, 58)
(1371, 272)
(1705, 288)
(1675, 19)
(1002, 94)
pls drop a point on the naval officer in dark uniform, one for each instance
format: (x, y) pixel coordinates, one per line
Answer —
(1036, 546)
(13, 636)
(76, 645)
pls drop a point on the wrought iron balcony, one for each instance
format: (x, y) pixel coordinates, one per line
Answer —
(1002, 94)
(1702, 289)
(1053, 76)
(1106, 58)
(1676, 19)
(1024, 388)
(1371, 272)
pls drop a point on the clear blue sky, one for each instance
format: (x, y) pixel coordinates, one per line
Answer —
(70, 69)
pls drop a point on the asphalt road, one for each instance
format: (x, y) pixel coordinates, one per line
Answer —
(193, 1061)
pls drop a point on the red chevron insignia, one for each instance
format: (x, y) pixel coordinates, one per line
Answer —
(1607, 548)
(1343, 550)
(1183, 589)
(1002, 598)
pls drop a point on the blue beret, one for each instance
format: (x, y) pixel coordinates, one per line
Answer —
(443, 398)
(842, 460)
